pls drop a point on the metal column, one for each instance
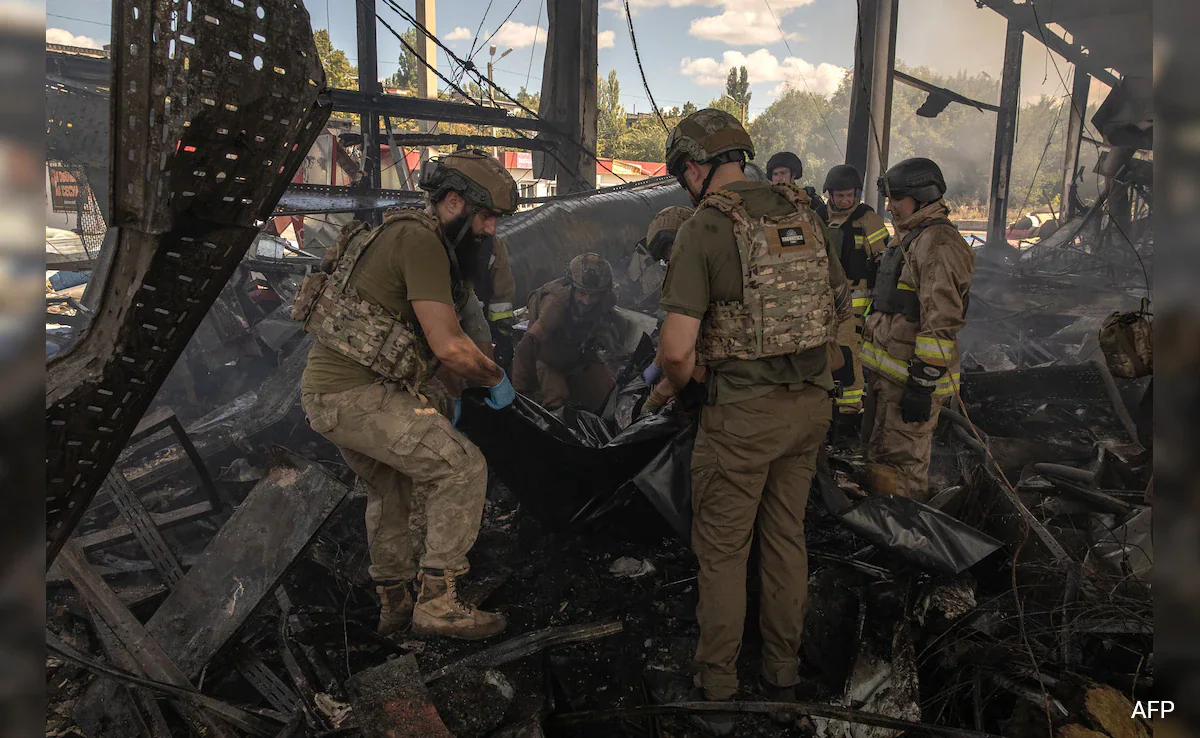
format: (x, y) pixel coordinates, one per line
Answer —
(569, 93)
(1006, 132)
(871, 95)
(368, 82)
(427, 82)
(1075, 122)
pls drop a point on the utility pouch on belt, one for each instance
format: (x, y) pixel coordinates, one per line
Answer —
(1127, 340)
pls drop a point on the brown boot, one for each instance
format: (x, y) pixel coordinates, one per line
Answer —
(395, 607)
(440, 612)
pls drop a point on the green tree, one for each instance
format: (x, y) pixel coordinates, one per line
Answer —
(610, 115)
(794, 122)
(405, 77)
(339, 72)
(646, 140)
(737, 89)
(688, 108)
(728, 104)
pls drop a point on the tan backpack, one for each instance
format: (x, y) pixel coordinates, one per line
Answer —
(1127, 340)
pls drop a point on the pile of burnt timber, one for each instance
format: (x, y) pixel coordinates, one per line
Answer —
(257, 619)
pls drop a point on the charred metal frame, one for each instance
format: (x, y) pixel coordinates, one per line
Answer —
(213, 107)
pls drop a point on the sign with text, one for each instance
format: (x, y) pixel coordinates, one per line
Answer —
(67, 188)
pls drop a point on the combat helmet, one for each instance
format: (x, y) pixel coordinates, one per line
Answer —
(590, 272)
(479, 178)
(842, 177)
(917, 177)
(708, 136)
(786, 160)
(660, 236)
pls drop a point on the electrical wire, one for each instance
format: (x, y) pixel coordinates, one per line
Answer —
(506, 19)
(638, 57)
(470, 67)
(533, 46)
(783, 37)
(478, 30)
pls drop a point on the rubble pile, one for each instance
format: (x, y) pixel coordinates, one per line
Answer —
(1044, 625)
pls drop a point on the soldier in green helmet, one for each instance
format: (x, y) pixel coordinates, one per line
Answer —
(754, 296)
(385, 314)
(570, 319)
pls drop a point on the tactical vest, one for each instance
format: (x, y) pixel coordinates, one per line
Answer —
(359, 329)
(787, 304)
(889, 295)
(854, 245)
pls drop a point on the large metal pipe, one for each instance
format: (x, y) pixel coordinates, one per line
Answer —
(541, 242)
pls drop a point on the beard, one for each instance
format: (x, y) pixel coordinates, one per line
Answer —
(467, 252)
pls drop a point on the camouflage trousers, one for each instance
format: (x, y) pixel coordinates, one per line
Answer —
(752, 466)
(897, 453)
(394, 440)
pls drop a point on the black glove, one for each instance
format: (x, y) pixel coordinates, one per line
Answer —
(916, 404)
(692, 397)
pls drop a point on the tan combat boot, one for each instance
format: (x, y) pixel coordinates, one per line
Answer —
(395, 607)
(440, 612)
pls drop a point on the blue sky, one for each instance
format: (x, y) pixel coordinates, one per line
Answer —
(686, 45)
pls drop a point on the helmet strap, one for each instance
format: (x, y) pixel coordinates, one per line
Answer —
(712, 170)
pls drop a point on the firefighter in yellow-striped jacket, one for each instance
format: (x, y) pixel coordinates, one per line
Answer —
(918, 305)
(864, 237)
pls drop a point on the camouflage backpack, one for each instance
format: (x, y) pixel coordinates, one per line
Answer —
(1127, 340)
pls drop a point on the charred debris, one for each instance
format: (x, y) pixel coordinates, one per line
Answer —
(216, 583)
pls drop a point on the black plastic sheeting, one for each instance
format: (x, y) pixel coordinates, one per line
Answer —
(572, 474)
(567, 472)
(921, 534)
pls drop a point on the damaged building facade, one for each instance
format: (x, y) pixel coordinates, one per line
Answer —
(206, 565)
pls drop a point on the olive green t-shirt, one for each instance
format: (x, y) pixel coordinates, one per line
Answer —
(706, 268)
(405, 262)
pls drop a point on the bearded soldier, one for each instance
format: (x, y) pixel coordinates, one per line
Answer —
(754, 296)
(384, 318)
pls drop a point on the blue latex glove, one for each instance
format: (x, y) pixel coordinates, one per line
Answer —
(652, 374)
(457, 411)
(501, 395)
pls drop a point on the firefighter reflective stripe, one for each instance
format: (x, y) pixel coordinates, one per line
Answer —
(878, 235)
(880, 360)
(499, 310)
(905, 287)
(860, 302)
(860, 240)
(934, 348)
(850, 397)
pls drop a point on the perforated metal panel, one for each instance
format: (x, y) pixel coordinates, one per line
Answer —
(214, 108)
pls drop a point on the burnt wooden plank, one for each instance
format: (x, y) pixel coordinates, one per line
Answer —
(245, 561)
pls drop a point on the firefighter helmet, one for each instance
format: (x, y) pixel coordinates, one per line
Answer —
(918, 177)
(842, 177)
(786, 160)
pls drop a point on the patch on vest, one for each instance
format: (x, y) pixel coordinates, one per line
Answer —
(788, 239)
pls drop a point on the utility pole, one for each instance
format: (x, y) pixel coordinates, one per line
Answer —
(1075, 121)
(427, 52)
(492, 87)
(871, 95)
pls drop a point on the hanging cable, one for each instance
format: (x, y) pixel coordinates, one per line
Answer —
(470, 67)
(479, 30)
(788, 46)
(506, 19)
(638, 57)
(533, 46)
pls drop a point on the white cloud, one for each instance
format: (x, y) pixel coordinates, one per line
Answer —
(763, 66)
(606, 39)
(66, 38)
(618, 6)
(458, 34)
(518, 35)
(738, 27)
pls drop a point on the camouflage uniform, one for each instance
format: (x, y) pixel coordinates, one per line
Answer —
(557, 360)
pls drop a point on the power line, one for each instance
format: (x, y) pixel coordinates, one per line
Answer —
(469, 67)
(506, 18)
(479, 30)
(78, 20)
(638, 57)
(533, 46)
(820, 112)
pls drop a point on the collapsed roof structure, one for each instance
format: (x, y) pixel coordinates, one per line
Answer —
(227, 573)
